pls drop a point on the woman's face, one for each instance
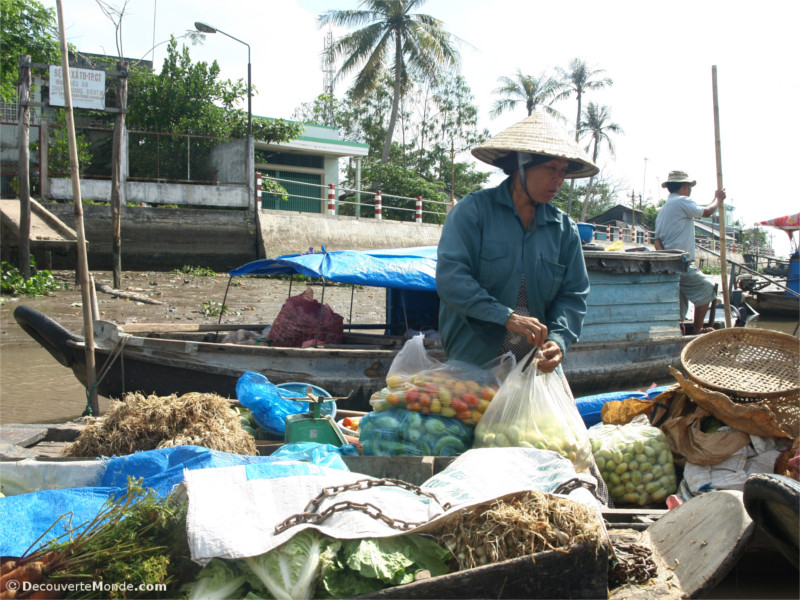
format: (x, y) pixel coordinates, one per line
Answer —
(545, 179)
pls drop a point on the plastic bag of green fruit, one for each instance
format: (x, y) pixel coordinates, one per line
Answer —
(399, 432)
(535, 410)
(635, 461)
(419, 383)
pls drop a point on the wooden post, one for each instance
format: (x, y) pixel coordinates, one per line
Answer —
(23, 165)
(83, 265)
(726, 296)
(118, 176)
(44, 157)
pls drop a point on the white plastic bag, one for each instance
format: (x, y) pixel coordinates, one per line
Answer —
(535, 410)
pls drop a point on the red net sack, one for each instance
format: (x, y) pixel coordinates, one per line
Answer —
(302, 319)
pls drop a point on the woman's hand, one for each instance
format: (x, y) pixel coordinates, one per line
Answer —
(551, 357)
(534, 331)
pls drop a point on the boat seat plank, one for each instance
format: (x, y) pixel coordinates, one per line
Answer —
(14, 452)
(702, 539)
(22, 435)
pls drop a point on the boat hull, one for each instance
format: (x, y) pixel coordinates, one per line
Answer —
(776, 304)
(163, 366)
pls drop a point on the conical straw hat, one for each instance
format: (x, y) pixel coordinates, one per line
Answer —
(538, 134)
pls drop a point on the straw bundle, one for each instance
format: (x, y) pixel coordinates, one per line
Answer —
(524, 524)
(148, 422)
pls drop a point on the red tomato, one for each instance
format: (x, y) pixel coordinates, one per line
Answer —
(470, 399)
(458, 405)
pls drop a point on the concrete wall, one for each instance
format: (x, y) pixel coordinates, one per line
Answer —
(285, 232)
(162, 239)
(98, 190)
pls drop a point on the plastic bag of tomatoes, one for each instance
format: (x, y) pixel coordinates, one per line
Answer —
(419, 383)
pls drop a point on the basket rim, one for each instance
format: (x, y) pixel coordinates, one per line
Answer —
(786, 341)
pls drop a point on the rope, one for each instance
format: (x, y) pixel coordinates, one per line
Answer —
(115, 352)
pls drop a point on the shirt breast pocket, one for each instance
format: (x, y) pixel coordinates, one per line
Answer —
(493, 255)
(551, 278)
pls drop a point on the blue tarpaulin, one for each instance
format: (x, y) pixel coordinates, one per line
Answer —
(397, 268)
(29, 517)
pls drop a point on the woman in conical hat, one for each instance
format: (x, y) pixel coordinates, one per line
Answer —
(510, 272)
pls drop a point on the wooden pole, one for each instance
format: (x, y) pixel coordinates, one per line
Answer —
(118, 176)
(83, 264)
(726, 295)
(23, 165)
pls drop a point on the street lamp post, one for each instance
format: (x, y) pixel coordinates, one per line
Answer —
(206, 28)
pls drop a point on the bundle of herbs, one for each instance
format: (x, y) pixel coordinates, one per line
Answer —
(136, 547)
(149, 422)
(518, 526)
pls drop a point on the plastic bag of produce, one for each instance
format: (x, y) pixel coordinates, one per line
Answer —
(399, 432)
(302, 318)
(271, 404)
(419, 383)
(635, 461)
(535, 410)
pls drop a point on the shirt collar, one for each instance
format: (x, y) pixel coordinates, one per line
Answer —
(545, 213)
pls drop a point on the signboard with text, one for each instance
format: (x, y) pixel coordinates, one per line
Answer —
(88, 88)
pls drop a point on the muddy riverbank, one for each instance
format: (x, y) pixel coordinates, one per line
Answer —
(34, 388)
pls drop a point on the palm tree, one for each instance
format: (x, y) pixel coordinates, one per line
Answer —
(577, 79)
(597, 125)
(533, 91)
(395, 41)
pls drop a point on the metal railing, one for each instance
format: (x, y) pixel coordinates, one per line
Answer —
(365, 204)
(627, 234)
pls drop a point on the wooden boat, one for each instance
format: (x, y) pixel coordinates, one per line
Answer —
(774, 303)
(631, 333)
(698, 547)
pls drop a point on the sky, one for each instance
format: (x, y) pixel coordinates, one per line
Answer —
(658, 54)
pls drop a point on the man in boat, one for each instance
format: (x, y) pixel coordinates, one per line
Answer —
(675, 231)
(510, 270)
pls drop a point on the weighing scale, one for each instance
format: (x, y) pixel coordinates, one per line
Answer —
(313, 426)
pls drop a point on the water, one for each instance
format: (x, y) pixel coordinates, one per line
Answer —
(34, 388)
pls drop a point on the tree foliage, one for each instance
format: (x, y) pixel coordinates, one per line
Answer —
(578, 78)
(188, 97)
(393, 41)
(532, 90)
(26, 27)
(596, 124)
(436, 119)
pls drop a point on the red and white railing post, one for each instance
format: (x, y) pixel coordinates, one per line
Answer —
(608, 232)
(331, 199)
(258, 190)
(378, 205)
(419, 209)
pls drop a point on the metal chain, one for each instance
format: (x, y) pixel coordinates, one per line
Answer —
(311, 512)
(634, 564)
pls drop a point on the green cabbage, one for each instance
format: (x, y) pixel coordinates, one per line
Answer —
(218, 580)
(367, 565)
(292, 570)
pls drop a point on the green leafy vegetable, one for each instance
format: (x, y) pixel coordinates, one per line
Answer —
(218, 580)
(292, 570)
(371, 564)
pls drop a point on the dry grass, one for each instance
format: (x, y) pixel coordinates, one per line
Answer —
(525, 524)
(148, 422)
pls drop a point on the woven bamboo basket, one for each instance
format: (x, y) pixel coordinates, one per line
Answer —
(745, 362)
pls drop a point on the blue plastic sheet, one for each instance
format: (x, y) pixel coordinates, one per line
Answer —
(271, 404)
(399, 268)
(28, 516)
(590, 407)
